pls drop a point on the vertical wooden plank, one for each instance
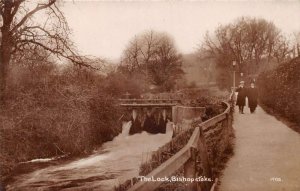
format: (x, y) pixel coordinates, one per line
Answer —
(225, 132)
(205, 161)
(190, 171)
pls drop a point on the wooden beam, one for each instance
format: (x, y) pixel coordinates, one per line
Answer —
(206, 124)
(171, 165)
(165, 169)
(143, 100)
(147, 104)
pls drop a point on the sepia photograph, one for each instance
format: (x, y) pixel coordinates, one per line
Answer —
(149, 95)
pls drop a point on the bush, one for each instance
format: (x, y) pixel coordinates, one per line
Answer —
(117, 84)
(53, 111)
(280, 89)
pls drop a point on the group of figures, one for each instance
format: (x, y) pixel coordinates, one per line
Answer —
(251, 93)
(152, 122)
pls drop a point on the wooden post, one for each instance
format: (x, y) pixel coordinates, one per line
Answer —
(190, 171)
(226, 134)
(205, 186)
(229, 124)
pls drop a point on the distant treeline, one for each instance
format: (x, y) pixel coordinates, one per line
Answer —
(255, 44)
(280, 89)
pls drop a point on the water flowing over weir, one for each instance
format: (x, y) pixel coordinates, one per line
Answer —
(116, 161)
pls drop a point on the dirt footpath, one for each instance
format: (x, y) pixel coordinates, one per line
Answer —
(267, 155)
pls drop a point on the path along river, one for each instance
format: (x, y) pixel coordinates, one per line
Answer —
(115, 162)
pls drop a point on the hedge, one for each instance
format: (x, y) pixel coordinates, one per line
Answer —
(280, 89)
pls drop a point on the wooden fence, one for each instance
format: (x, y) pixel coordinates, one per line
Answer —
(208, 139)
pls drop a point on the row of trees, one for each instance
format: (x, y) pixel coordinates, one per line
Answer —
(251, 42)
(40, 28)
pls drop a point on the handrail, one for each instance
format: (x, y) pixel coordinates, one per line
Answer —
(146, 99)
(147, 104)
(171, 165)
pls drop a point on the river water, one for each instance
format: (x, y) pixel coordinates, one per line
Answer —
(115, 162)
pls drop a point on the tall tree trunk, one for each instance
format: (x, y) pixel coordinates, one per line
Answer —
(5, 55)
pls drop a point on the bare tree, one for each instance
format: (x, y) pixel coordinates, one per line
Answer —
(32, 26)
(247, 41)
(281, 49)
(131, 57)
(154, 55)
(296, 43)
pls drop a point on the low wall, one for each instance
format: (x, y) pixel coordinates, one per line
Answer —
(183, 113)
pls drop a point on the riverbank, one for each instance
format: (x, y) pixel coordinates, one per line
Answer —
(108, 165)
(15, 154)
(52, 113)
(35, 164)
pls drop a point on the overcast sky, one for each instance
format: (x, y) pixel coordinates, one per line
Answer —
(104, 28)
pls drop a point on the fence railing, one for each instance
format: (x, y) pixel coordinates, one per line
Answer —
(150, 100)
(206, 138)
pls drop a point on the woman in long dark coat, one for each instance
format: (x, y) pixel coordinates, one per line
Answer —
(241, 98)
(252, 95)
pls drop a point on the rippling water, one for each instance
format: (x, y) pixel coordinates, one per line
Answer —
(115, 162)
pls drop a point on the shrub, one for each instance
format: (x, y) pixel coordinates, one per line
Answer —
(280, 89)
(53, 111)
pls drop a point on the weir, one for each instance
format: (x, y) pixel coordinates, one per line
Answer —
(152, 115)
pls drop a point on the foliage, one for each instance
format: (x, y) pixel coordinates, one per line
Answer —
(209, 98)
(52, 110)
(117, 84)
(280, 89)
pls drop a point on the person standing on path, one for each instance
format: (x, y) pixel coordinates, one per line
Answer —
(241, 98)
(252, 95)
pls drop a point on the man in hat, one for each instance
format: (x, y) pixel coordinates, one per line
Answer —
(241, 98)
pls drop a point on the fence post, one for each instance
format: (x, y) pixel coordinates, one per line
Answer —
(205, 186)
(226, 135)
(190, 170)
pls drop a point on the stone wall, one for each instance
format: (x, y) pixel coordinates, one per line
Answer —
(183, 113)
